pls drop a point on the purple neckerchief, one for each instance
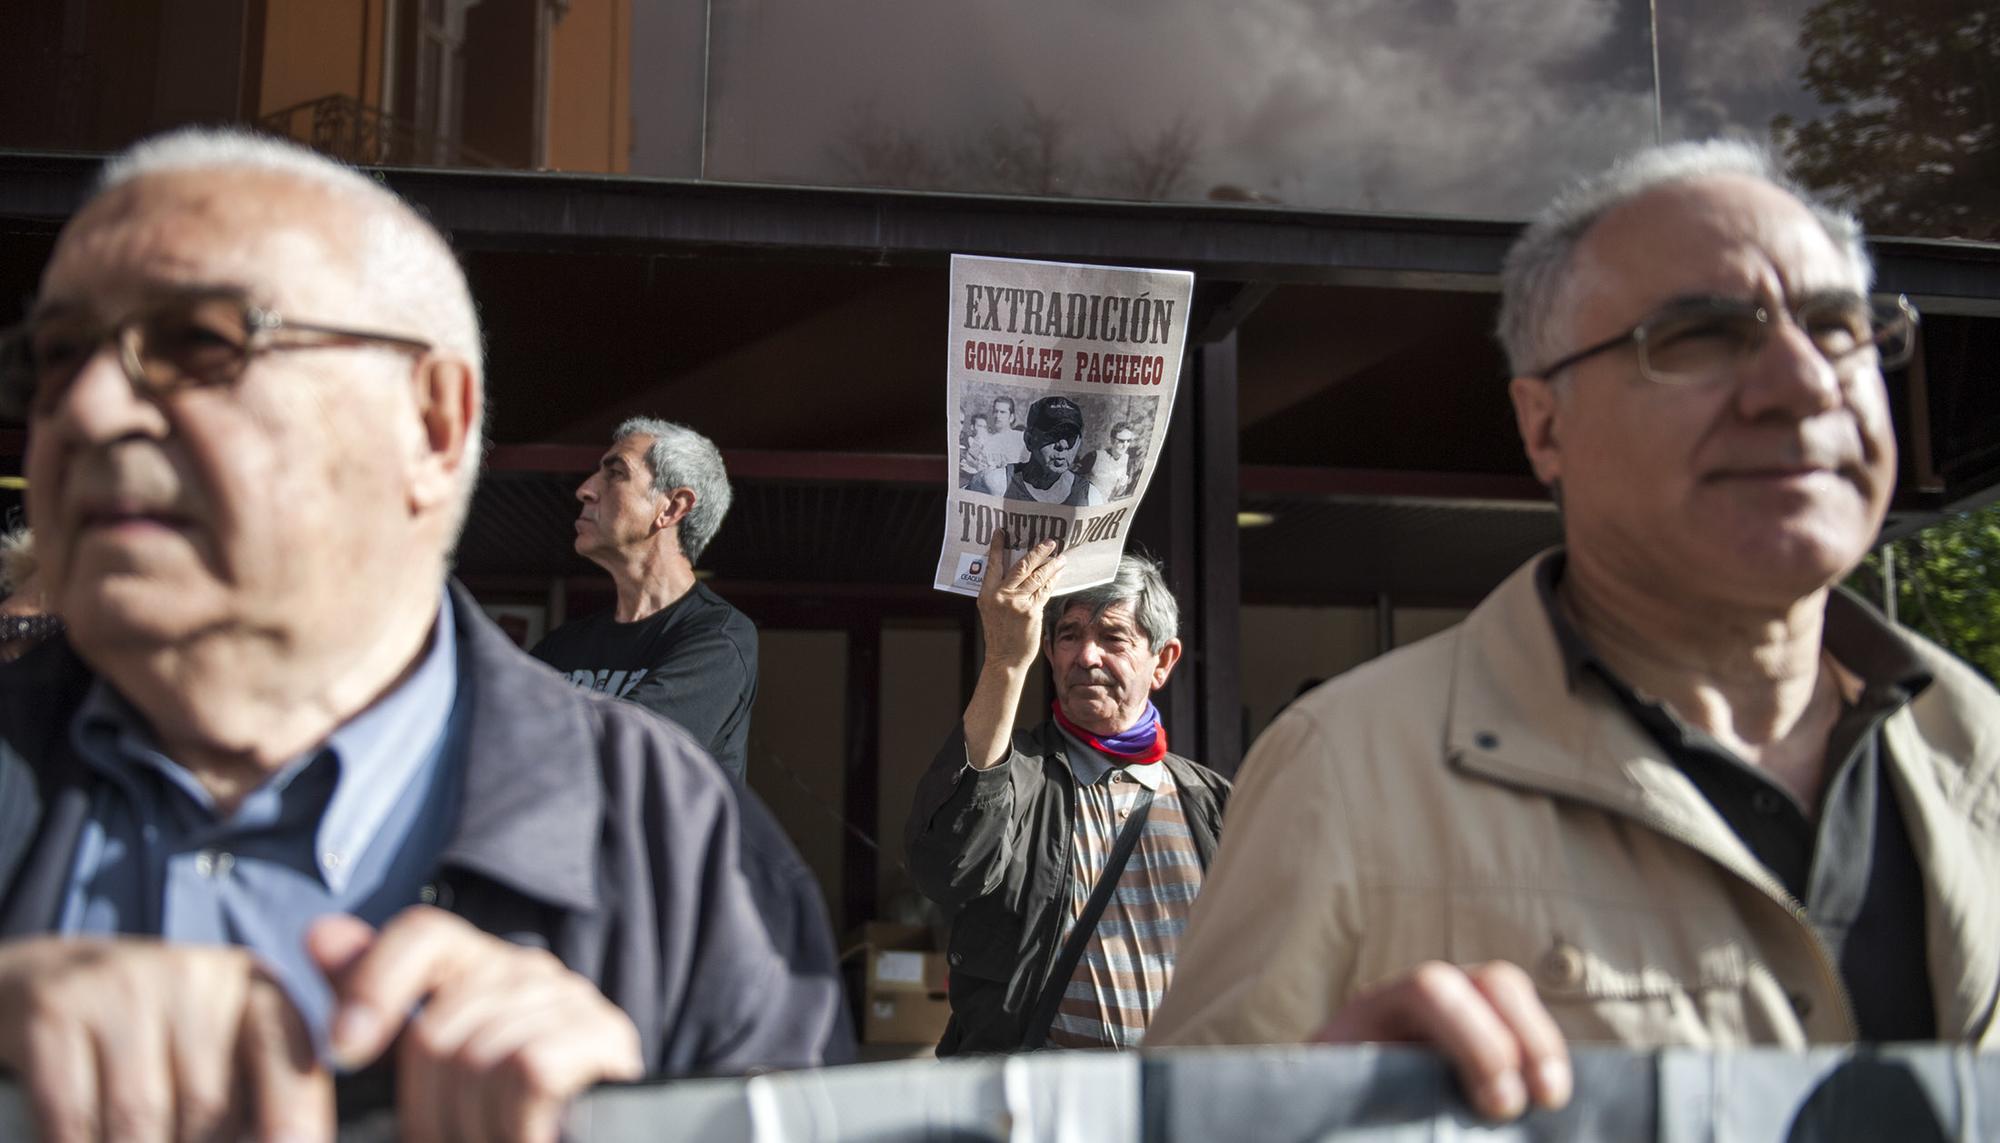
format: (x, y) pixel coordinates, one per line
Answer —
(1137, 738)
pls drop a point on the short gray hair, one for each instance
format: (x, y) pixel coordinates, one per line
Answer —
(408, 269)
(1536, 275)
(683, 458)
(1139, 583)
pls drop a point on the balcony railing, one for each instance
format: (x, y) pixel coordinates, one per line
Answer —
(353, 131)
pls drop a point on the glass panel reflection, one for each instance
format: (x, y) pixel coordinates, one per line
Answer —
(1407, 106)
(478, 83)
(1894, 105)
(1411, 106)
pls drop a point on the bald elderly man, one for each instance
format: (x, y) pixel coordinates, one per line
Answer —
(281, 798)
(1668, 784)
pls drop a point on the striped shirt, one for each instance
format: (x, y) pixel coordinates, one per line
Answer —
(1126, 967)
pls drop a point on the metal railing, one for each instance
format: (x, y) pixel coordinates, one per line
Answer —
(1903, 1094)
(356, 132)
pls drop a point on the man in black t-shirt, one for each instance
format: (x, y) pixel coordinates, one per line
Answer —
(671, 645)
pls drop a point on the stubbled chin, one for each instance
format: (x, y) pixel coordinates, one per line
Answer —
(1091, 711)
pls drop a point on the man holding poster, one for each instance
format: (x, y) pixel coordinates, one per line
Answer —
(1069, 853)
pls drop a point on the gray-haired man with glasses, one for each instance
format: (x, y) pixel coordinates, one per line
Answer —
(281, 800)
(1668, 784)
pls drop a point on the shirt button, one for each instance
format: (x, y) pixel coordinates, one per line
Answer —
(214, 863)
(1562, 967)
(1766, 802)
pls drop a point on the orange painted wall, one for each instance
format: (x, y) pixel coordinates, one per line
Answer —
(317, 47)
(590, 88)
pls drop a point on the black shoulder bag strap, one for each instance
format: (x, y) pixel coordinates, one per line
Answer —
(1086, 925)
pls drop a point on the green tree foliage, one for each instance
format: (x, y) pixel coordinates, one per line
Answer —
(1912, 133)
(1948, 585)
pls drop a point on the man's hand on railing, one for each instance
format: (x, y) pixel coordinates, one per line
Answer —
(129, 1038)
(506, 1035)
(1488, 1021)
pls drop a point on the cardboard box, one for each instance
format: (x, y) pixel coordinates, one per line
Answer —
(904, 1018)
(903, 984)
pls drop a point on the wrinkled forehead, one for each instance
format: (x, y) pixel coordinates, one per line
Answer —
(283, 243)
(1724, 236)
(1116, 617)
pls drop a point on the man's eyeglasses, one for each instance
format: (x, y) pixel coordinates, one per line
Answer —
(198, 340)
(1694, 342)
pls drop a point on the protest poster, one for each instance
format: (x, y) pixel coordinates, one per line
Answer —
(1059, 384)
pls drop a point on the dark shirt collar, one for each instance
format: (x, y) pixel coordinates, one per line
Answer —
(1863, 643)
(1089, 766)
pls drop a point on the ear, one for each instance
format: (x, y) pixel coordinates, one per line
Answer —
(1169, 654)
(1537, 409)
(448, 401)
(674, 508)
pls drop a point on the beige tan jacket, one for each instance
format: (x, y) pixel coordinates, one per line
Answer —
(1456, 801)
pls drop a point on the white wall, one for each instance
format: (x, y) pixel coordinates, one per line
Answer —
(1283, 646)
(920, 705)
(800, 725)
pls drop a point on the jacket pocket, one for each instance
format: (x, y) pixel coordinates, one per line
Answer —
(984, 945)
(1611, 973)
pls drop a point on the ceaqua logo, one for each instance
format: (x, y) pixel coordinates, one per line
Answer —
(971, 569)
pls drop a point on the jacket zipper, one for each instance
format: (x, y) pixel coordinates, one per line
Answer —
(1061, 902)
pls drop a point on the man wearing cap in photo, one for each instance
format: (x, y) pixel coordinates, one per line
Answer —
(1069, 853)
(1055, 428)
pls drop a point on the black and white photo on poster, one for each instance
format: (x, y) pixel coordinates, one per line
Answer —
(1081, 449)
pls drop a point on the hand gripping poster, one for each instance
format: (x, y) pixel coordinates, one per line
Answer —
(1059, 384)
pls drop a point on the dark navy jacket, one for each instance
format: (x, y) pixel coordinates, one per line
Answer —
(588, 827)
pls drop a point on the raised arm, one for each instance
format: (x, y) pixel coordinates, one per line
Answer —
(959, 826)
(1010, 614)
